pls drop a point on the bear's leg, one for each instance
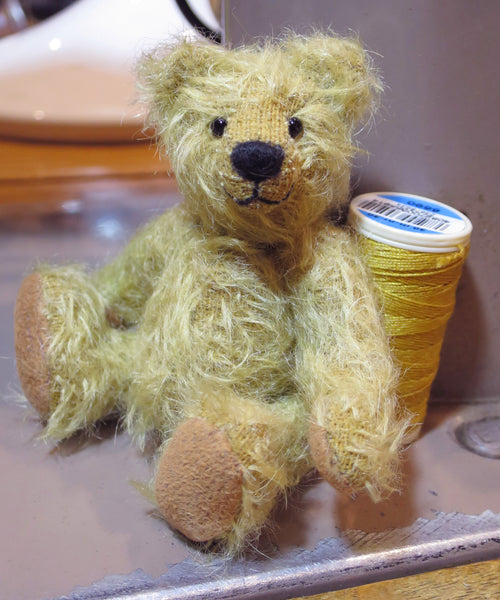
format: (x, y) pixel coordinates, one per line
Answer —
(71, 363)
(221, 472)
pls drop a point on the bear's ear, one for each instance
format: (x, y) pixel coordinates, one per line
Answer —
(339, 69)
(169, 70)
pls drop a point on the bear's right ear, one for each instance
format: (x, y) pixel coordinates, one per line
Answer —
(165, 73)
(340, 69)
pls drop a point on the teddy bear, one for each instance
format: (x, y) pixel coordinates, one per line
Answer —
(241, 326)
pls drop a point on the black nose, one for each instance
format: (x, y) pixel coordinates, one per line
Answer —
(257, 161)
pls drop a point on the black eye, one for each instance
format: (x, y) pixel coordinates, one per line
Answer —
(217, 126)
(295, 127)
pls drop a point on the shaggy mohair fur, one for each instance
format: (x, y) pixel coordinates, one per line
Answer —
(242, 324)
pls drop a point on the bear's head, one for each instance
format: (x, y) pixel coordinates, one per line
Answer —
(260, 137)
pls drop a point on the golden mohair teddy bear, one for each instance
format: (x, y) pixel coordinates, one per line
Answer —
(241, 325)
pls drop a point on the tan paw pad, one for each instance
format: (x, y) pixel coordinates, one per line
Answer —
(31, 336)
(323, 456)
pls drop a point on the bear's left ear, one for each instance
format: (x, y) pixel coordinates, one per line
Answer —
(339, 69)
(169, 70)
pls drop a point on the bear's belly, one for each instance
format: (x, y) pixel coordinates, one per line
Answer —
(224, 327)
(244, 337)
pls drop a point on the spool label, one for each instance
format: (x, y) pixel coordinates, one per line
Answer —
(411, 214)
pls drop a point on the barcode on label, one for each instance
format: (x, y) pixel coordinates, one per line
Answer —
(404, 214)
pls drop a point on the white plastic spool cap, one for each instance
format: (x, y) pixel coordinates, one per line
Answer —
(410, 222)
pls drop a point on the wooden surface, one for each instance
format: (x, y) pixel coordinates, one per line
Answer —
(479, 581)
(21, 161)
(31, 171)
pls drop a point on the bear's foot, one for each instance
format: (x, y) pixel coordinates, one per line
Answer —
(31, 335)
(199, 482)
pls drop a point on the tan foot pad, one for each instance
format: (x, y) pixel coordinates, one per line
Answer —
(31, 335)
(322, 456)
(199, 482)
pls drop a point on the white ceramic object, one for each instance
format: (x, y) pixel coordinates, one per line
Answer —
(71, 77)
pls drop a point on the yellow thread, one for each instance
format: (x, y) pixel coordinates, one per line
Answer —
(418, 295)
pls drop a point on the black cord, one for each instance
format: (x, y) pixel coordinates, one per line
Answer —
(197, 24)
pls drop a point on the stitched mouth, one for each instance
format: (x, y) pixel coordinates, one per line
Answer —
(256, 197)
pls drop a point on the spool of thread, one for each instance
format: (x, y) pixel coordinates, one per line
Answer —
(415, 248)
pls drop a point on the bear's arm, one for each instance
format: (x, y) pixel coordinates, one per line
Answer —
(128, 281)
(345, 370)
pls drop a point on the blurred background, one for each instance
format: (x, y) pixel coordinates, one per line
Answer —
(67, 66)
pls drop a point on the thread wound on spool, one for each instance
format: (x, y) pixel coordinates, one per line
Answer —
(417, 286)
